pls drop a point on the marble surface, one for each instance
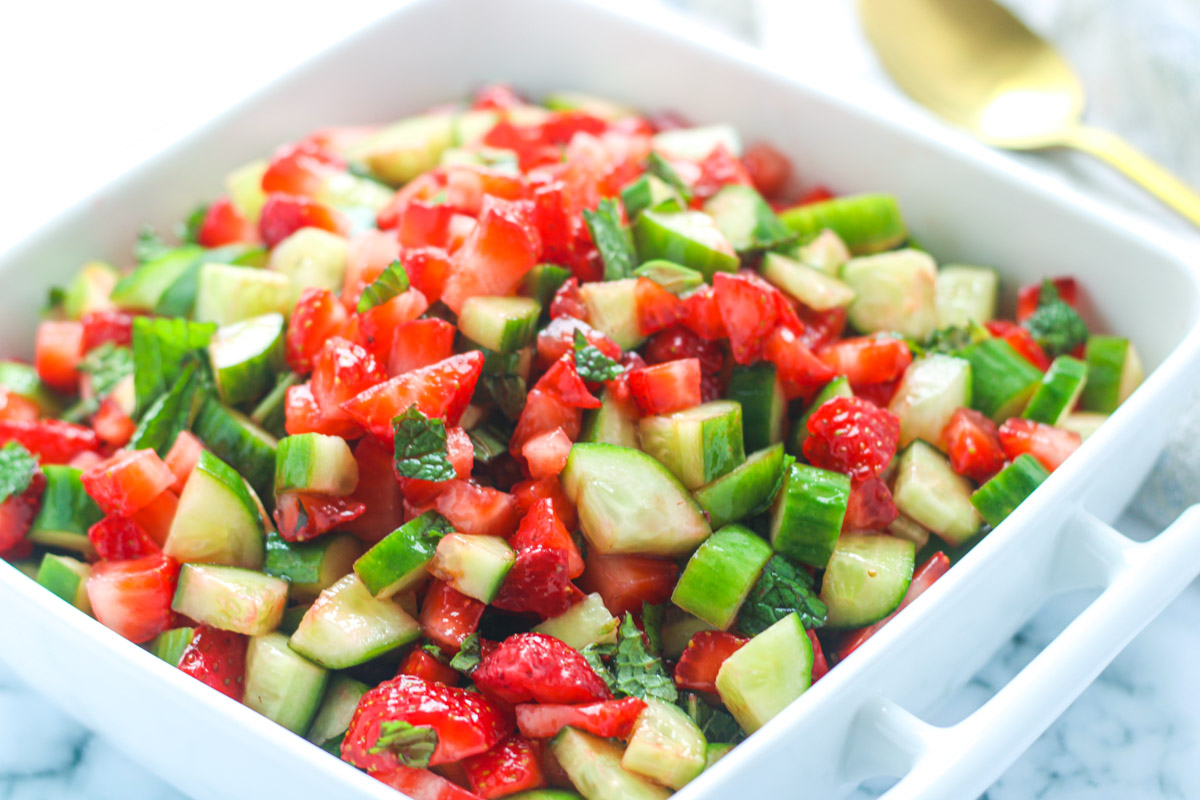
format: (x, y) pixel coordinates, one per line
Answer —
(1135, 733)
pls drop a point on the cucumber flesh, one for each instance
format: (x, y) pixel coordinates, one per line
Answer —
(231, 598)
(244, 185)
(733, 496)
(282, 685)
(217, 521)
(612, 309)
(720, 574)
(311, 567)
(311, 257)
(816, 289)
(407, 148)
(346, 626)
(66, 577)
(690, 238)
(472, 564)
(715, 752)
(745, 219)
(675, 278)
(614, 422)
(866, 579)
(543, 281)
(932, 389)
(698, 444)
(337, 709)
(502, 324)
(226, 294)
(867, 223)
(696, 143)
(929, 492)
(904, 527)
(838, 387)
(586, 622)
(1058, 392)
(827, 253)
(169, 645)
(315, 462)
(666, 745)
(1008, 488)
(1085, 423)
(807, 515)
(965, 295)
(90, 289)
(767, 673)
(649, 192)
(660, 518)
(759, 391)
(141, 289)
(892, 292)
(594, 767)
(1114, 371)
(399, 561)
(1002, 381)
(66, 513)
(246, 357)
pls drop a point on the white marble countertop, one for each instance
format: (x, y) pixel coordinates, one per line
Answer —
(1135, 733)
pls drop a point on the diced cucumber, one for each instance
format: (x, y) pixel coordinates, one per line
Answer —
(66, 577)
(169, 645)
(758, 390)
(892, 292)
(678, 628)
(472, 564)
(838, 387)
(311, 567)
(240, 443)
(586, 622)
(245, 189)
(811, 286)
(690, 238)
(347, 626)
(932, 389)
(406, 149)
(337, 709)
(22, 379)
(698, 444)
(469, 127)
(733, 496)
(866, 579)
(612, 309)
(593, 105)
(720, 574)
(217, 521)
(246, 356)
(745, 219)
(348, 192)
(1114, 371)
(90, 289)
(1008, 488)
(399, 560)
(179, 299)
(315, 462)
(227, 294)
(965, 295)
(767, 673)
(867, 223)
(66, 513)
(827, 253)
(807, 515)
(649, 192)
(907, 528)
(270, 413)
(696, 143)
(1002, 381)
(660, 518)
(1085, 423)
(715, 752)
(932, 494)
(543, 281)
(666, 745)
(503, 324)
(614, 422)
(282, 685)
(1056, 395)
(141, 289)
(594, 767)
(675, 278)
(311, 257)
(545, 794)
(231, 598)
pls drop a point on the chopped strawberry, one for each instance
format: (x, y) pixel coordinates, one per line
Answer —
(851, 435)
(303, 415)
(535, 667)
(17, 513)
(625, 582)
(440, 390)
(663, 388)
(420, 343)
(562, 380)
(1021, 340)
(121, 539)
(657, 309)
(547, 453)
(114, 427)
(155, 517)
(224, 224)
(1028, 296)
(377, 490)
(702, 315)
(820, 667)
(871, 507)
(529, 493)
(57, 353)
(509, 767)
(973, 444)
(821, 327)
(800, 372)
(424, 224)
(283, 215)
(748, 311)
(568, 302)
(317, 317)
(106, 326)
(300, 169)
(769, 169)
(128, 481)
(538, 583)
(719, 168)
(421, 784)
(867, 359)
(544, 411)
(476, 510)
(558, 338)
(448, 616)
(606, 718)
(423, 665)
(1046, 443)
(51, 440)
(497, 254)
(133, 598)
(16, 407)
(701, 660)
(678, 342)
(302, 516)
(542, 526)
(375, 329)
(217, 658)
(182, 457)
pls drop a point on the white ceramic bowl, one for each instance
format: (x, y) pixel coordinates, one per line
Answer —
(963, 203)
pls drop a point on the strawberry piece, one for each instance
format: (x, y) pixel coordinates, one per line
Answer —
(440, 390)
(106, 326)
(509, 767)
(114, 427)
(217, 658)
(748, 311)
(558, 339)
(702, 315)
(448, 616)
(769, 169)
(868, 359)
(528, 493)
(544, 411)
(973, 444)
(224, 224)
(663, 388)
(871, 507)
(562, 380)
(17, 513)
(1046, 443)
(800, 372)
(302, 516)
(547, 453)
(283, 215)
(538, 583)
(127, 482)
(121, 539)
(423, 665)
(1021, 340)
(420, 343)
(820, 667)
(607, 718)
(182, 457)
(625, 582)
(341, 371)
(1029, 295)
(51, 440)
(57, 353)
(657, 309)
(539, 668)
(851, 435)
(568, 302)
(421, 784)
(701, 660)
(133, 598)
(317, 316)
(678, 342)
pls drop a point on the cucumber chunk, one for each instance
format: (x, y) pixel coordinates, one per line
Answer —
(759, 391)
(715, 752)
(244, 185)
(892, 292)
(226, 294)
(169, 645)
(591, 104)
(141, 289)
(866, 579)
(745, 219)
(66, 577)
(337, 709)
(1085, 423)
(66, 513)
(231, 598)
(586, 622)
(1114, 371)
(282, 685)
(407, 148)
(675, 278)
(737, 494)
(827, 253)
(807, 515)
(614, 422)
(932, 389)
(690, 238)
(240, 443)
(698, 444)
(594, 767)
(314, 462)
(929, 492)
(311, 257)
(660, 518)
(543, 281)
(907, 528)
(472, 564)
(965, 295)
(311, 567)
(246, 357)
(838, 387)
(217, 521)
(1008, 488)
(696, 143)
(666, 745)
(720, 574)
(767, 673)
(90, 289)
(545, 794)
(612, 309)
(346, 626)
(1002, 381)
(809, 285)
(1058, 392)
(867, 223)
(502, 324)
(649, 192)
(399, 561)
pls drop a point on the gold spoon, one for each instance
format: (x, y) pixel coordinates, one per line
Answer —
(974, 63)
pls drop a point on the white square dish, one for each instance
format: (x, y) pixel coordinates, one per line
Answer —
(963, 203)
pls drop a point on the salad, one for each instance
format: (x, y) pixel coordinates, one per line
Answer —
(539, 451)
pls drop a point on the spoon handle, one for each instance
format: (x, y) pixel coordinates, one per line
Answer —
(1120, 154)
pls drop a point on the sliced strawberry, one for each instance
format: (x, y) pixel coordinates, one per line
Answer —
(448, 616)
(224, 224)
(748, 311)
(121, 539)
(217, 658)
(377, 490)
(853, 436)
(15, 407)
(702, 315)
(428, 269)
(317, 316)
(538, 583)
(867, 359)
(509, 767)
(607, 718)
(539, 668)
(182, 457)
(376, 328)
(1021, 340)
(800, 372)
(133, 598)
(440, 390)
(678, 343)
(529, 493)
(568, 302)
(282, 215)
(18, 511)
(497, 255)
(421, 784)
(57, 353)
(973, 443)
(657, 309)
(341, 371)
(701, 660)
(51, 440)
(155, 517)
(820, 667)
(663, 388)
(114, 427)
(128, 481)
(1029, 295)
(303, 415)
(542, 526)
(769, 169)
(562, 379)
(1046, 443)
(544, 411)
(546, 454)
(420, 343)
(106, 326)
(625, 582)
(423, 665)
(558, 339)
(871, 507)
(302, 516)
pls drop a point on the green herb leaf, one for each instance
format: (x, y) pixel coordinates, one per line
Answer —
(612, 239)
(717, 724)
(639, 673)
(189, 230)
(1055, 326)
(509, 392)
(171, 414)
(595, 655)
(435, 651)
(108, 364)
(413, 745)
(159, 349)
(468, 656)
(661, 168)
(421, 449)
(652, 617)
(149, 245)
(489, 442)
(56, 296)
(17, 466)
(391, 282)
(591, 363)
(950, 340)
(782, 588)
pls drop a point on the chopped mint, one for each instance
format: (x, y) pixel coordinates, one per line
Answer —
(17, 466)
(782, 588)
(591, 363)
(612, 238)
(421, 449)
(639, 673)
(413, 745)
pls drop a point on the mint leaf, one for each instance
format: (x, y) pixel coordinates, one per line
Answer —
(591, 363)
(421, 449)
(159, 347)
(661, 168)
(149, 245)
(170, 414)
(639, 673)
(468, 656)
(435, 651)
(17, 466)
(595, 654)
(717, 724)
(391, 282)
(108, 364)
(489, 442)
(413, 745)
(784, 587)
(652, 617)
(189, 230)
(949, 341)
(612, 239)
(1055, 326)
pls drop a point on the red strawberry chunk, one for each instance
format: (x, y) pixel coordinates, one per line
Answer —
(562, 379)
(568, 302)
(423, 665)
(106, 326)
(539, 668)
(851, 435)
(224, 224)
(547, 453)
(558, 339)
(17, 513)
(528, 493)
(421, 784)
(341, 371)
(133, 598)
(668, 387)
(657, 309)
(871, 507)
(1046, 443)
(497, 254)
(800, 372)
(128, 481)
(678, 342)
(769, 169)
(448, 616)
(420, 343)
(701, 660)
(1021, 340)
(302, 516)
(868, 359)
(509, 767)
(317, 316)
(544, 411)
(121, 539)
(973, 443)
(748, 311)
(702, 315)
(283, 215)
(218, 659)
(51, 440)
(607, 718)
(538, 583)
(440, 390)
